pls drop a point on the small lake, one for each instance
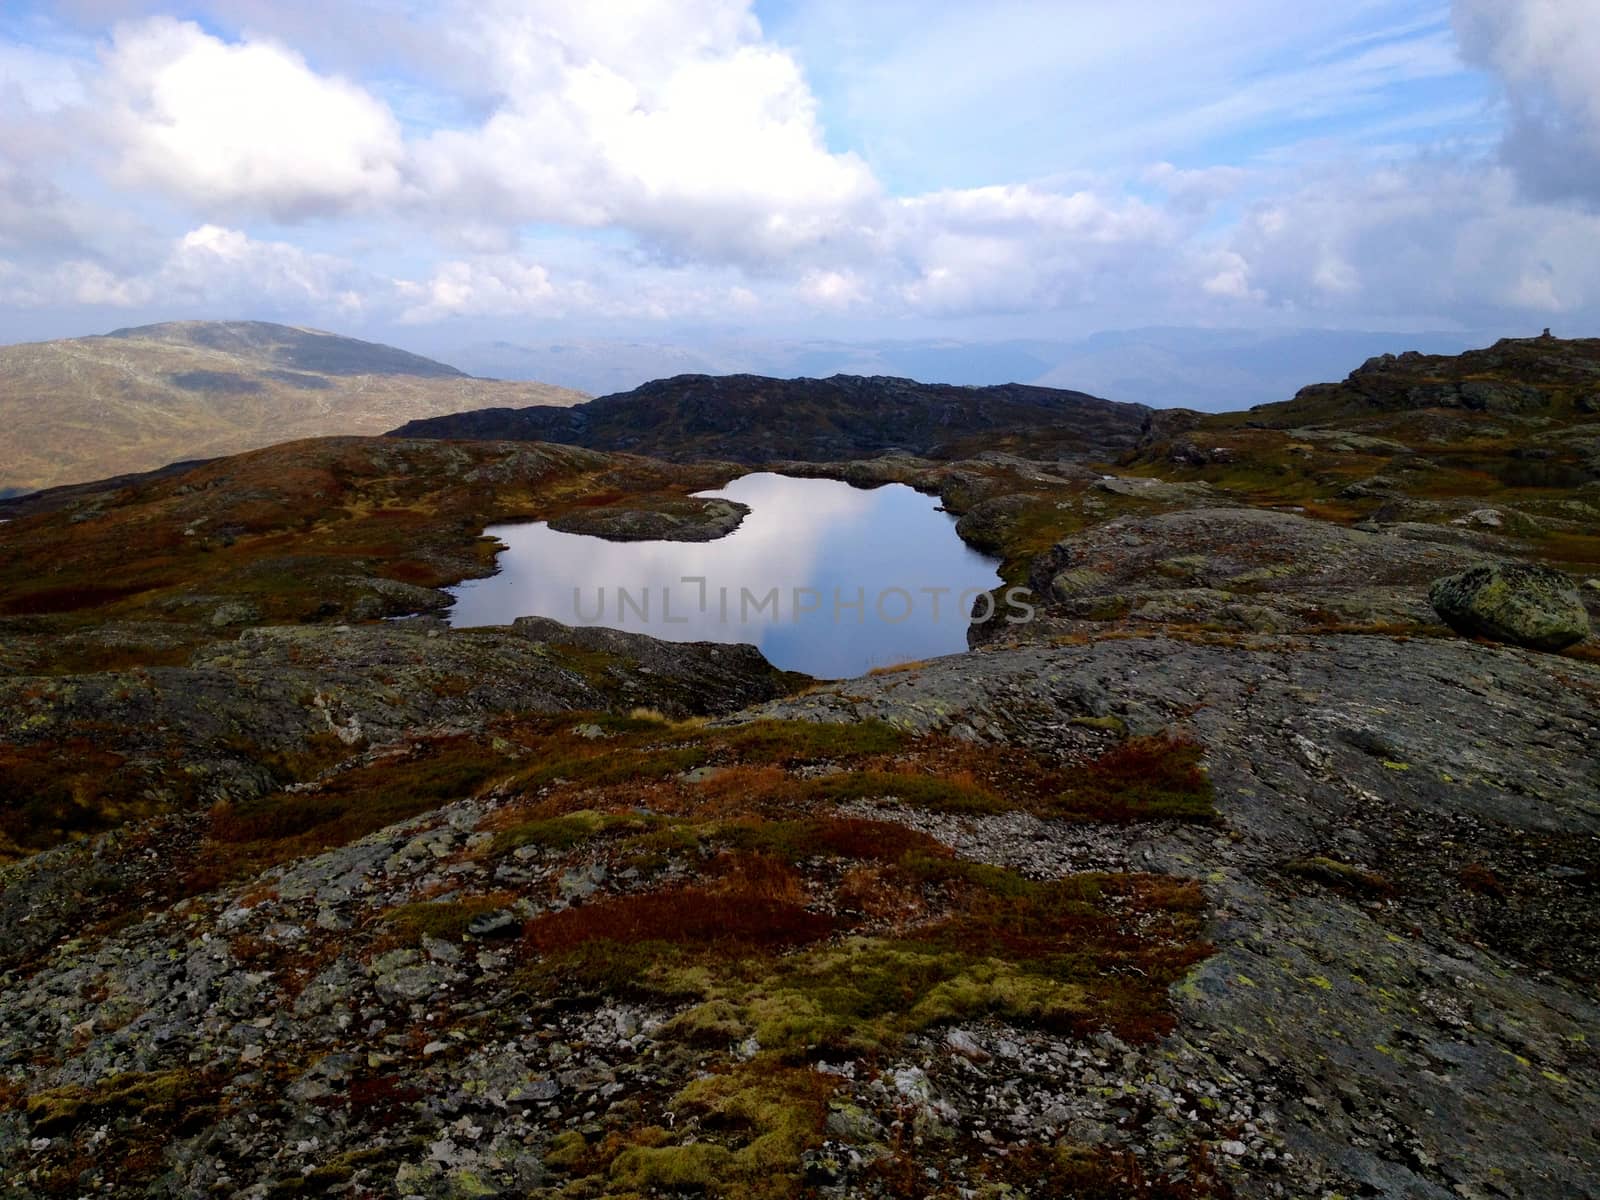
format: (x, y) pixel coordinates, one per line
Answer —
(825, 578)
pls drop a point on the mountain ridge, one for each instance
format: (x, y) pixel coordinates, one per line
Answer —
(1560, 376)
(305, 348)
(756, 418)
(140, 398)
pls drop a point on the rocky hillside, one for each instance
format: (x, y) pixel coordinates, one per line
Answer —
(751, 418)
(138, 399)
(1553, 376)
(1262, 863)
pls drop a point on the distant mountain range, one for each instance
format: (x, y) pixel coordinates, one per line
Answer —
(754, 419)
(138, 399)
(1213, 370)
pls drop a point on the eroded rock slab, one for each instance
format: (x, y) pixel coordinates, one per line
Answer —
(1434, 1040)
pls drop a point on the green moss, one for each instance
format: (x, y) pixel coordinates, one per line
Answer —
(150, 1096)
(1109, 608)
(597, 667)
(701, 1166)
(566, 1150)
(988, 880)
(615, 968)
(867, 995)
(53, 1111)
(768, 1115)
(846, 838)
(1042, 953)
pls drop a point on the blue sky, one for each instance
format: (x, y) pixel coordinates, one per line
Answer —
(443, 171)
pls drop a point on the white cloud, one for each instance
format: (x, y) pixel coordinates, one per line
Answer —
(38, 80)
(1227, 276)
(211, 267)
(490, 287)
(674, 121)
(244, 127)
(33, 210)
(1456, 242)
(73, 283)
(832, 289)
(1010, 249)
(675, 155)
(1546, 54)
(213, 262)
(1196, 190)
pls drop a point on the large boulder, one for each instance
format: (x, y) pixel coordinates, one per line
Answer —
(1520, 603)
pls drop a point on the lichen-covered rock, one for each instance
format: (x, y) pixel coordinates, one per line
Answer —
(987, 525)
(1243, 568)
(1521, 603)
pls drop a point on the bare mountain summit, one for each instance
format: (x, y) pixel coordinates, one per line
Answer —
(137, 399)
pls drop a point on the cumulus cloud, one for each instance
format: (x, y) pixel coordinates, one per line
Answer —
(1457, 241)
(212, 267)
(576, 280)
(1546, 54)
(213, 261)
(674, 158)
(37, 80)
(1010, 249)
(245, 126)
(1226, 275)
(34, 212)
(677, 122)
(491, 287)
(837, 290)
(76, 282)
(674, 121)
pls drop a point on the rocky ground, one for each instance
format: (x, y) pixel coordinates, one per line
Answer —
(1405, 891)
(1239, 871)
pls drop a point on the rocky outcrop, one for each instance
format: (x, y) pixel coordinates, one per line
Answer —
(690, 520)
(1409, 1017)
(1240, 568)
(754, 419)
(1515, 376)
(239, 715)
(987, 526)
(1521, 603)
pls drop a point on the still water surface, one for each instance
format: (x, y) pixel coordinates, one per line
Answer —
(825, 578)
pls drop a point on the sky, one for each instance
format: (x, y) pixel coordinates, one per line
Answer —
(436, 172)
